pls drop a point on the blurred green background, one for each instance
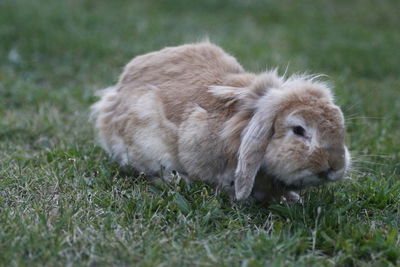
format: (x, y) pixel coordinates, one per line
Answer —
(62, 201)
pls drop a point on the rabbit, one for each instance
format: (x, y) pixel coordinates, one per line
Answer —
(193, 110)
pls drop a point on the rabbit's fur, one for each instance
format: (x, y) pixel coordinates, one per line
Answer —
(194, 110)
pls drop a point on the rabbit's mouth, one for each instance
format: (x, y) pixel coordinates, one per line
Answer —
(299, 180)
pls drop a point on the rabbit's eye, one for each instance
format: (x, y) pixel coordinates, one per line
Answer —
(298, 130)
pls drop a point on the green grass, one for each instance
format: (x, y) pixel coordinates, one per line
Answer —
(63, 202)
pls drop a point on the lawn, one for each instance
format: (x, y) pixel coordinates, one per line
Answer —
(62, 202)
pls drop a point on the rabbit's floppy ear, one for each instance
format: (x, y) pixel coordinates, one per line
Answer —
(254, 141)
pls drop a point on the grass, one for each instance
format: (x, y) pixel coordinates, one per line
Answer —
(63, 203)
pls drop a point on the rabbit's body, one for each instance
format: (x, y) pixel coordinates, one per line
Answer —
(160, 114)
(187, 109)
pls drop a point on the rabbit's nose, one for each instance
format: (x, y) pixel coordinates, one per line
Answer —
(336, 158)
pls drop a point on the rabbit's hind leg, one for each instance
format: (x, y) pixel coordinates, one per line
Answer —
(151, 138)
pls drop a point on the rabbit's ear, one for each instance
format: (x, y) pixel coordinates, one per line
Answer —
(254, 141)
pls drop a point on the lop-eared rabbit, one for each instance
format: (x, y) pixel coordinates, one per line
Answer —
(194, 110)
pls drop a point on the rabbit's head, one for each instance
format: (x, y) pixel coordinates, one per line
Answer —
(295, 133)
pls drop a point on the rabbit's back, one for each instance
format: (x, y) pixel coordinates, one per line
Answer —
(196, 64)
(182, 75)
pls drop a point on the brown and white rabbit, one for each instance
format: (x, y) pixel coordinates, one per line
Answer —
(194, 110)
